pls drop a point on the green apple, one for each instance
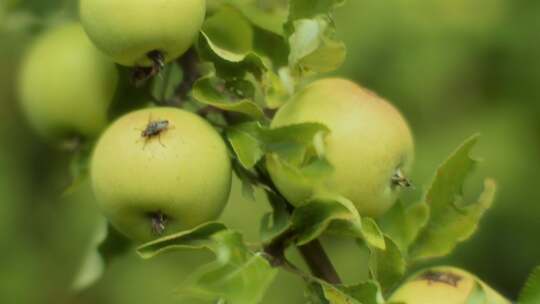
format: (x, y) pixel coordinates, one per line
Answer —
(131, 31)
(443, 285)
(370, 145)
(160, 170)
(66, 85)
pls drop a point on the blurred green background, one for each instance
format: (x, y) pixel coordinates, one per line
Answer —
(454, 67)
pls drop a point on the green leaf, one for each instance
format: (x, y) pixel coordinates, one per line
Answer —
(372, 234)
(323, 293)
(477, 295)
(314, 294)
(277, 88)
(312, 219)
(294, 144)
(240, 47)
(276, 222)
(268, 38)
(336, 214)
(271, 45)
(312, 38)
(314, 48)
(387, 265)
(320, 292)
(368, 292)
(337, 296)
(106, 244)
(403, 223)
(244, 283)
(239, 30)
(308, 175)
(227, 41)
(248, 179)
(530, 294)
(245, 142)
(212, 91)
(165, 84)
(236, 276)
(451, 220)
(302, 133)
(271, 19)
(229, 34)
(93, 265)
(300, 9)
(196, 238)
(79, 166)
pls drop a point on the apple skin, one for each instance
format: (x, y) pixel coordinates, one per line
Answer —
(127, 30)
(66, 85)
(368, 142)
(420, 290)
(184, 173)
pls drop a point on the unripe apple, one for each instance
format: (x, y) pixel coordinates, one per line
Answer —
(369, 145)
(443, 285)
(160, 170)
(66, 85)
(130, 31)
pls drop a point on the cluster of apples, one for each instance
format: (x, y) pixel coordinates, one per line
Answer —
(69, 78)
(165, 169)
(160, 170)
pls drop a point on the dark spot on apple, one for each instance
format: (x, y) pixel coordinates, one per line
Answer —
(432, 276)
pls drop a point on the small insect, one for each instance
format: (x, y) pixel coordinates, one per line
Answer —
(399, 179)
(440, 277)
(159, 223)
(155, 128)
(141, 74)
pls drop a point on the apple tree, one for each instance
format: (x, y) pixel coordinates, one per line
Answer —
(161, 102)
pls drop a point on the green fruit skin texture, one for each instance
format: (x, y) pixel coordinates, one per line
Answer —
(185, 173)
(419, 290)
(369, 140)
(127, 30)
(66, 85)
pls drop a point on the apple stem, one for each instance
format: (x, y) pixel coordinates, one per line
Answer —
(158, 59)
(159, 222)
(142, 74)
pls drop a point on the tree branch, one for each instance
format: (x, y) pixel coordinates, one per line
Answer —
(318, 262)
(189, 63)
(313, 252)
